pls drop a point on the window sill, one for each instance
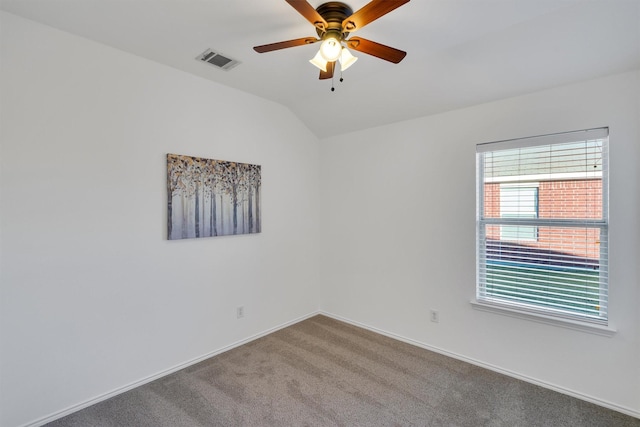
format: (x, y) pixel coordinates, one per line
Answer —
(607, 331)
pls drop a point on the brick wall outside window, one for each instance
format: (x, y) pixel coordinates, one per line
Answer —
(561, 200)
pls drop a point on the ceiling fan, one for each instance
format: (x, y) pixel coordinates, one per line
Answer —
(334, 21)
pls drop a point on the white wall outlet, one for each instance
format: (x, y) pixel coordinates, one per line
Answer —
(434, 316)
(240, 312)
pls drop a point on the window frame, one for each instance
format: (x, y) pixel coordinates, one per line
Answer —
(528, 310)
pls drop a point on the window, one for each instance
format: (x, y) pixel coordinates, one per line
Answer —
(542, 225)
(519, 201)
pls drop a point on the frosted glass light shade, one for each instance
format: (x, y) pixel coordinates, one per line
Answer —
(346, 59)
(319, 62)
(330, 49)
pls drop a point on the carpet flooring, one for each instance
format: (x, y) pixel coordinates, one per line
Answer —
(322, 372)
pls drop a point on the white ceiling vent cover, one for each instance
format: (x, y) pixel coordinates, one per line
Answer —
(217, 60)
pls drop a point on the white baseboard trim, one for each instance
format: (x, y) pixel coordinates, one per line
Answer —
(138, 383)
(572, 393)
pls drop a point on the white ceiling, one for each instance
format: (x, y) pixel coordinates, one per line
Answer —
(459, 52)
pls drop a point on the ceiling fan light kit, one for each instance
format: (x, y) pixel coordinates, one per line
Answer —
(334, 52)
(346, 59)
(334, 21)
(319, 62)
(331, 48)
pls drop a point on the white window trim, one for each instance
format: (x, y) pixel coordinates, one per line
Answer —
(578, 325)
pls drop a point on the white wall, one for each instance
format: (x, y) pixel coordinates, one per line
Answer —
(93, 296)
(398, 237)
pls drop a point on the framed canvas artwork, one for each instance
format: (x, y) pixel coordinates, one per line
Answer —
(209, 197)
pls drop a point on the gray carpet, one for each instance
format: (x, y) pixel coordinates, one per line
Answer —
(322, 372)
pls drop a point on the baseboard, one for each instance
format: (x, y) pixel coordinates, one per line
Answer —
(163, 373)
(577, 395)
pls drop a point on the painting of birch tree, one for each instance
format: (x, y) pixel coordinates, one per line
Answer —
(211, 197)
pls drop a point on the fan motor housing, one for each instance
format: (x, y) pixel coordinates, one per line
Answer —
(334, 12)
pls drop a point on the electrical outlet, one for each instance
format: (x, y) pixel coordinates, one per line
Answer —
(435, 316)
(240, 312)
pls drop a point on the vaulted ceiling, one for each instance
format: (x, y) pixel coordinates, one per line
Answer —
(459, 52)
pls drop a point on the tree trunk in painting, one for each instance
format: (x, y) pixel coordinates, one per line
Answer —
(258, 224)
(185, 216)
(203, 213)
(169, 215)
(213, 226)
(222, 214)
(196, 215)
(250, 213)
(234, 200)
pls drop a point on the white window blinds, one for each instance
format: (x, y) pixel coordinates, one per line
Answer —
(542, 224)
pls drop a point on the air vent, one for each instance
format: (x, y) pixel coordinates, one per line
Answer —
(217, 60)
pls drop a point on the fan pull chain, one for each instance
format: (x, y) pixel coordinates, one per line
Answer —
(341, 80)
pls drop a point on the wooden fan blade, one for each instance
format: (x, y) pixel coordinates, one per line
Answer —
(369, 13)
(305, 9)
(376, 49)
(283, 45)
(331, 66)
